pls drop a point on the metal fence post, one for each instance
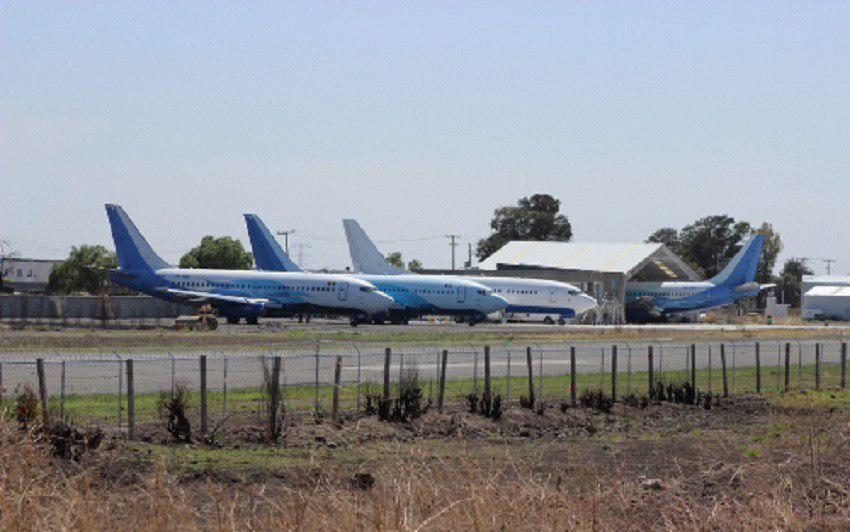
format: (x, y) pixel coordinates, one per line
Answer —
(530, 365)
(224, 389)
(337, 376)
(540, 377)
(1, 384)
(708, 379)
(787, 366)
(629, 369)
(723, 369)
(817, 366)
(508, 380)
(173, 371)
(387, 358)
(203, 369)
(649, 363)
(62, 392)
(843, 364)
(475, 374)
(486, 373)
(131, 400)
(614, 373)
(573, 375)
(442, 391)
(359, 380)
(758, 368)
(274, 399)
(694, 366)
(316, 401)
(120, 396)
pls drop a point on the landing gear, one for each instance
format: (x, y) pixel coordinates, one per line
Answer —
(354, 323)
(548, 320)
(252, 320)
(561, 321)
(472, 322)
(232, 320)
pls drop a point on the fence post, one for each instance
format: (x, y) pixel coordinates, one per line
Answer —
(694, 366)
(573, 375)
(787, 366)
(708, 375)
(540, 376)
(817, 366)
(62, 392)
(203, 367)
(337, 375)
(649, 363)
(316, 381)
(758, 368)
(223, 389)
(388, 352)
(614, 373)
(486, 373)
(274, 399)
(508, 380)
(442, 393)
(843, 364)
(359, 367)
(42, 389)
(131, 401)
(723, 369)
(530, 376)
(475, 373)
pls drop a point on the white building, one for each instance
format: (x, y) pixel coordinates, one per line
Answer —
(26, 275)
(826, 297)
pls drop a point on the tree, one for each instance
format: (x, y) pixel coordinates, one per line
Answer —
(533, 218)
(667, 236)
(223, 253)
(790, 280)
(395, 259)
(85, 270)
(414, 265)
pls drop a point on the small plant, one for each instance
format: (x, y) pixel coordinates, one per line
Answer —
(70, 442)
(472, 401)
(495, 411)
(596, 399)
(636, 401)
(564, 405)
(540, 408)
(175, 408)
(26, 405)
(409, 405)
(526, 402)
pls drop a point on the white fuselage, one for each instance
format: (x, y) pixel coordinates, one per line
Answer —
(538, 298)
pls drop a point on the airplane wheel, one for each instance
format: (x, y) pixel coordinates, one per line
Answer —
(561, 321)
(548, 320)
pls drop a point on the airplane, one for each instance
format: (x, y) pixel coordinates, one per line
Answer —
(554, 300)
(413, 295)
(237, 294)
(651, 301)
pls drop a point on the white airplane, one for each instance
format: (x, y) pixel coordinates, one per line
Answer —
(237, 294)
(550, 301)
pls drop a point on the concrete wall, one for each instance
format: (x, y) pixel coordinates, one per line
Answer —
(87, 307)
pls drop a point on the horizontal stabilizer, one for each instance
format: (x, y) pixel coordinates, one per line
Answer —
(203, 297)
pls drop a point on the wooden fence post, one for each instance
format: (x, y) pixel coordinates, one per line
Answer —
(131, 401)
(274, 399)
(573, 375)
(694, 367)
(614, 373)
(337, 376)
(758, 368)
(203, 361)
(649, 362)
(843, 364)
(42, 389)
(441, 397)
(530, 376)
(817, 366)
(388, 353)
(486, 372)
(723, 369)
(787, 366)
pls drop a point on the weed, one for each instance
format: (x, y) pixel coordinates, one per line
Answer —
(596, 399)
(70, 442)
(526, 402)
(175, 408)
(633, 400)
(26, 405)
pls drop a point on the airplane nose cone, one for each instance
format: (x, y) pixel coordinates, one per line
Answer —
(495, 303)
(585, 303)
(379, 302)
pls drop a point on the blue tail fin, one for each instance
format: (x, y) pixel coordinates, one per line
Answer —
(268, 255)
(742, 268)
(134, 252)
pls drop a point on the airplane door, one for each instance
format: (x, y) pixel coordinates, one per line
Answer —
(343, 292)
(553, 295)
(461, 294)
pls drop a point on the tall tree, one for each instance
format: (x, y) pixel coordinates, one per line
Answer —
(395, 259)
(667, 236)
(533, 218)
(414, 265)
(223, 253)
(790, 280)
(85, 270)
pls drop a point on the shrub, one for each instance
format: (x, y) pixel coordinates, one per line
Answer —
(70, 442)
(636, 401)
(526, 402)
(175, 408)
(26, 405)
(596, 399)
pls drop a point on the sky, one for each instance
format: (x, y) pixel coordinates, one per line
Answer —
(420, 118)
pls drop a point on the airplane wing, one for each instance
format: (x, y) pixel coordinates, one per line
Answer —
(205, 297)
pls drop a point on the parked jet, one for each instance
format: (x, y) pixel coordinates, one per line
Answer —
(547, 300)
(649, 301)
(237, 294)
(413, 295)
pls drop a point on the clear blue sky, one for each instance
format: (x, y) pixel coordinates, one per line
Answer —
(419, 118)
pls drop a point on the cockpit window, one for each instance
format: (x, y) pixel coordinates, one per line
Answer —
(367, 289)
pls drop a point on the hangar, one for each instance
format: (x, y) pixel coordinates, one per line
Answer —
(599, 269)
(826, 297)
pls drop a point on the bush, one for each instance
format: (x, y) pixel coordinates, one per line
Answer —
(175, 408)
(26, 405)
(70, 442)
(526, 402)
(596, 399)
(409, 404)
(636, 401)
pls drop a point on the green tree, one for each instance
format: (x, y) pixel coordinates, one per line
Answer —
(790, 279)
(85, 270)
(395, 259)
(533, 218)
(710, 242)
(222, 253)
(414, 265)
(667, 236)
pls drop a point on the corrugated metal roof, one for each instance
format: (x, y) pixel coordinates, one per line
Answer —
(588, 256)
(833, 280)
(829, 291)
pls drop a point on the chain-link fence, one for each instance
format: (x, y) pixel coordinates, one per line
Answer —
(231, 391)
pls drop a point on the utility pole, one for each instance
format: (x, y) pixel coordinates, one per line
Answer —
(453, 245)
(828, 265)
(286, 233)
(468, 264)
(301, 246)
